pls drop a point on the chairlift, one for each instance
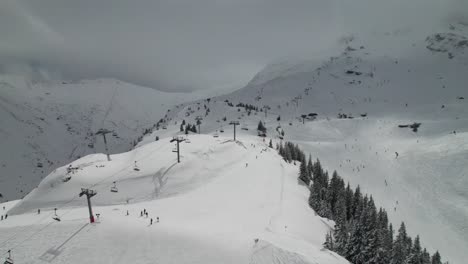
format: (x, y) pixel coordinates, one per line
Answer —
(114, 188)
(244, 127)
(135, 167)
(222, 130)
(56, 217)
(9, 260)
(187, 140)
(164, 127)
(216, 134)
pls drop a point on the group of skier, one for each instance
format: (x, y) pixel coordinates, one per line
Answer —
(144, 213)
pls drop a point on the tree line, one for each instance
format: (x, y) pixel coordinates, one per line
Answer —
(362, 234)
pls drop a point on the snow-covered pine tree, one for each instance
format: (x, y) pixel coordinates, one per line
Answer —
(415, 256)
(304, 173)
(436, 258)
(399, 252)
(426, 257)
(310, 166)
(329, 243)
(261, 127)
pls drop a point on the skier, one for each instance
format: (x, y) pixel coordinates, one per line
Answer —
(157, 219)
(141, 213)
(396, 155)
(38, 211)
(1, 218)
(146, 214)
(127, 213)
(151, 222)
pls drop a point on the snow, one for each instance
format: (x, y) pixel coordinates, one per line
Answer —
(212, 205)
(53, 123)
(398, 84)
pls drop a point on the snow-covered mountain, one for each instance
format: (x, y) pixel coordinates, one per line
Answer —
(389, 115)
(226, 202)
(359, 107)
(46, 125)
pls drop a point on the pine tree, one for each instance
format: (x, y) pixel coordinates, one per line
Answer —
(426, 257)
(371, 237)
(341, 238)
(329, 243)
(357, 203)
(261, 127)
(436, 258)
(303, 173)
(355, 251)
(349, 202)
(399, 252)
(415, 256)
(310, 166)
(335, 189)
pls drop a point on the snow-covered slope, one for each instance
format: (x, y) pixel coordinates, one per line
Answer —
(46, 125)
(212, 207)
(378, 87)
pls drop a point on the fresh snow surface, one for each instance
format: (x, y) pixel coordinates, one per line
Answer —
(46, 125)
(392, 85)
(212, 206)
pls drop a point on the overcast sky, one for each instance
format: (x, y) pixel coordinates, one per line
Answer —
(189, 44)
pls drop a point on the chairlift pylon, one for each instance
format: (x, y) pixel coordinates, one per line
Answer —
(114, 188)
(9, 260)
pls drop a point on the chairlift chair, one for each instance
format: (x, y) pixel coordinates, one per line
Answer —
(216, 134)
(187, 140)
(114, 188)
(244, 127)
(56, 217)
(135, 167)
(222, 130)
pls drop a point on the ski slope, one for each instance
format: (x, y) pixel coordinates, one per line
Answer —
(212, 206)
(405, 78)
(46, 125)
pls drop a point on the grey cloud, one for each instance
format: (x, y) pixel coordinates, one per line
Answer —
(188, 44)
